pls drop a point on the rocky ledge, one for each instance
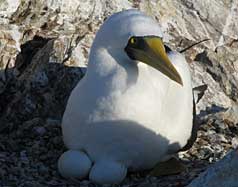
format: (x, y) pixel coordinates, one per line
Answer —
(44, 47)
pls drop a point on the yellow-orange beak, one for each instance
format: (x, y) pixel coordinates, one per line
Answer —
(150, 50)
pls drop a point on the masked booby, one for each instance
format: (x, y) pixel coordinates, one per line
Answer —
(134, 106)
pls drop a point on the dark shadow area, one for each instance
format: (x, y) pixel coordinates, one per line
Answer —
(122, 139)
(202, 57)
(35, 87)
(33, 96)
(221, 70)
(211, 110)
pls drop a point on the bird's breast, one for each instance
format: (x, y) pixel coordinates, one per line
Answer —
(139, 102)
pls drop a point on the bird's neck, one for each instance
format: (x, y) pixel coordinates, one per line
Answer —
(113, 70)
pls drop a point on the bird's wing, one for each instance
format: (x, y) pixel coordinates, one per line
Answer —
(198, 93)
(178, 106)
(193, 136)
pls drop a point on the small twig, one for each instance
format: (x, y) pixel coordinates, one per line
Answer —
(68, 51)
(70, 47)
(6, 70)
(185, 49)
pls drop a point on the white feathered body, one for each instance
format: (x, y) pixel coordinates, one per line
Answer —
(136, 116)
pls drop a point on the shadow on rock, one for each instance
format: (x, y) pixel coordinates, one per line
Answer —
(36, 86)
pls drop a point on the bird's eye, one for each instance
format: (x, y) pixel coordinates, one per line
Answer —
(133, 40)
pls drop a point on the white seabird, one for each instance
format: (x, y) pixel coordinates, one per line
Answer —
(132, 109)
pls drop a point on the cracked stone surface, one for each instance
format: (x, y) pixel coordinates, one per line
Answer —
(44, 46)
(223, 173)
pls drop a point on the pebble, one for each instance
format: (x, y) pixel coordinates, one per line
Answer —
(234, 142)
(43, 170)
(52, 122)
(23, 156)
(40, 130)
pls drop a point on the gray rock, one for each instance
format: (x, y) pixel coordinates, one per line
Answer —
(185, 22)
(45, 43)
(40, 131)
(234, 142)
(66, 20)
(74, 24)
(194, 20)
(223, 174)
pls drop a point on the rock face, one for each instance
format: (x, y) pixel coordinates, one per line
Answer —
(70, 22)
(44, 46)
(224, 173)
(214, 62)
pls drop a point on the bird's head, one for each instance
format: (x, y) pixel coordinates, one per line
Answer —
(138, 37)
